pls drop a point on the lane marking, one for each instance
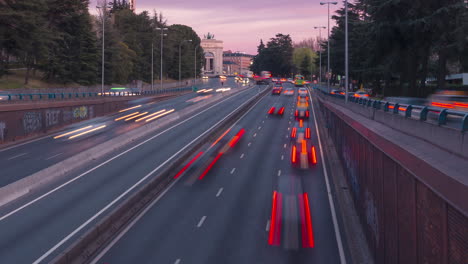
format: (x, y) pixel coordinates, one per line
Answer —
(255, 135)
(219, 192)
(177, 261)
(282, 157)
(241, 156)
(202, 220)
(259, 127)
(267, 228)
(330, 197)
(56, 155)
(279, 172)
(284, 146)
(127, 228)
(233, 170)
(17, 156)
(263, 121)
(249, 144)
(289, 128)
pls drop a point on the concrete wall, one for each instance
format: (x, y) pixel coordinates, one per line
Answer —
(413, 209)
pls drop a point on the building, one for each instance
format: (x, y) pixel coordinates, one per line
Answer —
(213, 50)
(132, 5)
(236, 62)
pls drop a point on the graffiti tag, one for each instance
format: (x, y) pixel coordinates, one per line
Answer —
(32, 121)
(52, 117)
(80, 112)
(2, 131)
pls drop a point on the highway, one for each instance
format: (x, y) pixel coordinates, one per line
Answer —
(226, 216)
(35, 228)
(20, 161)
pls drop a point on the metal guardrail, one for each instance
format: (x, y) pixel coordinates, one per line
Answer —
(408, 110)
(24, 97)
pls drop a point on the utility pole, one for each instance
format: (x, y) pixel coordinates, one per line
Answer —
(103, 17)
(180, 59)
(162, 50)
(320, 52)
(328, 57)
(346, 53)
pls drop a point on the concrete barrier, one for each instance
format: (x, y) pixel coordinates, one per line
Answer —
(88, 245)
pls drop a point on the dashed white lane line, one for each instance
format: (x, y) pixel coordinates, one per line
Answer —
(200, 223)
(233, 170)
(284, 145)
(56, 155)
(289, 128)
(282, 157)
(17, 156)
(289, 122)
(279, 172)
(255, 135)
(177, 261)
(241, 156)
(250, 143)
(263, 121)
(219, 192)
(267, 228)
(259, 127)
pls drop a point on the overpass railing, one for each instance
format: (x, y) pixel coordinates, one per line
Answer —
(443, 116)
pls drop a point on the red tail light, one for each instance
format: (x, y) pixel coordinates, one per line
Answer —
(236, 138)
(304, 147)
(308, 218)
(301, 123)
(271, 110)
(293, 132)
(210, 166)
(296, 113)
(293, 154)
(308, 132)
(281, 111)
(313, 156)
(307, 113)
(188, 165)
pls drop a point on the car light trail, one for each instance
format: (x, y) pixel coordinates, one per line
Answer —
(158, 116)
(314, 155)
(210, 166)
(125, 116)
(273, 219)
(281, 111)
(271, 111)
(72, 132)
(293, 132)
(236, 138)
(216, 142)
(301, 123)
(442, 105)
(308, 219)
(296, 113)
(153, 114)
(293, 154)
(308, 132)
(127, 109)
(188, 165)
(135, 116)
(86, 132)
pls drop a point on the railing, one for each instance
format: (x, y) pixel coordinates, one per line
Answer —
(26, 97)
(458, 119)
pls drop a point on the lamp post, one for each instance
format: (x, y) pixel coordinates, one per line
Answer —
(162, 43)
(195, 65)
(180, 58)
(328, 57)
(103, 31)
(152, 65)
(320, 52)
(346, 53)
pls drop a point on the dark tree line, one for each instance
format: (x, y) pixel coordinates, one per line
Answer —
(276, 56)
(63, 41)
(395, 45)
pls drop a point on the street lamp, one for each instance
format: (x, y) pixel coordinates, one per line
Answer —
(346, 53)
(320, 51)
(162, 43)
(329, 74)
(103, 29)
(195, 64)
(180, 59)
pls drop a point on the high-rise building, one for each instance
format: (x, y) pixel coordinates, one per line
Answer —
(133, 5)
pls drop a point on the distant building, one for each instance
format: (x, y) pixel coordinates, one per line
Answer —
(133, 5)
(236, 62)
(213, 50)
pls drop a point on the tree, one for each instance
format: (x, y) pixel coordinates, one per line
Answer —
(275, 57)
(304, 61)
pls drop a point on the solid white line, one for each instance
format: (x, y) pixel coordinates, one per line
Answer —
(107, 161)
(200, 223)
(233, 170)
(219, 192)
(279, 172)
(17, 156)
(56, 155)
(177, 261)
(330, 197)
(267, 228)
(129, 226)
(124, 193)
(241, 156)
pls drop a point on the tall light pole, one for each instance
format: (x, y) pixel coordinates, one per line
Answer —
(195, 65)
(180, 58)
(152, 65)
(162, 43)
(103, 17)
(346, 52)
(328, 57)
(320, 51)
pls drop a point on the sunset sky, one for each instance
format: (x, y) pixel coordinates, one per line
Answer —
(242, 23)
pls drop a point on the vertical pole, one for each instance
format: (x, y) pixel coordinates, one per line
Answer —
(346, 52)
(103, 36)
(180, 62)
(161, 80)
(195, 66)
(152, 65)
(328, 71)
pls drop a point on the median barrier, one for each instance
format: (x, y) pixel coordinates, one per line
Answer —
(89, 244)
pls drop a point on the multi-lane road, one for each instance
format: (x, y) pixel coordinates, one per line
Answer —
(224, 218)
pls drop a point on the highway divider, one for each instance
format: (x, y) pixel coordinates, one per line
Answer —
(96, 238)
(24, 186)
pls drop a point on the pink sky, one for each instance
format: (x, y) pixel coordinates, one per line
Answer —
(242, 23)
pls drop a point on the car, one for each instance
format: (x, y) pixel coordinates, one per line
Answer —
(303, 153)
(302, 108)
(288, 92)
(277, 89)
(300, 129)
(337, 92)
(283, 80)
(361, 94)
(452, 99)
(276, 109)
(274, 79)
(302, 92)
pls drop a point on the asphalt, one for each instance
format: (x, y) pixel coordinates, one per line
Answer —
(225, 217)
(35, 230)
(23, 160)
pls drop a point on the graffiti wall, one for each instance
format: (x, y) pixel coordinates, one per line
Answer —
(2, 131)
(52, 117)
(32, 122)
